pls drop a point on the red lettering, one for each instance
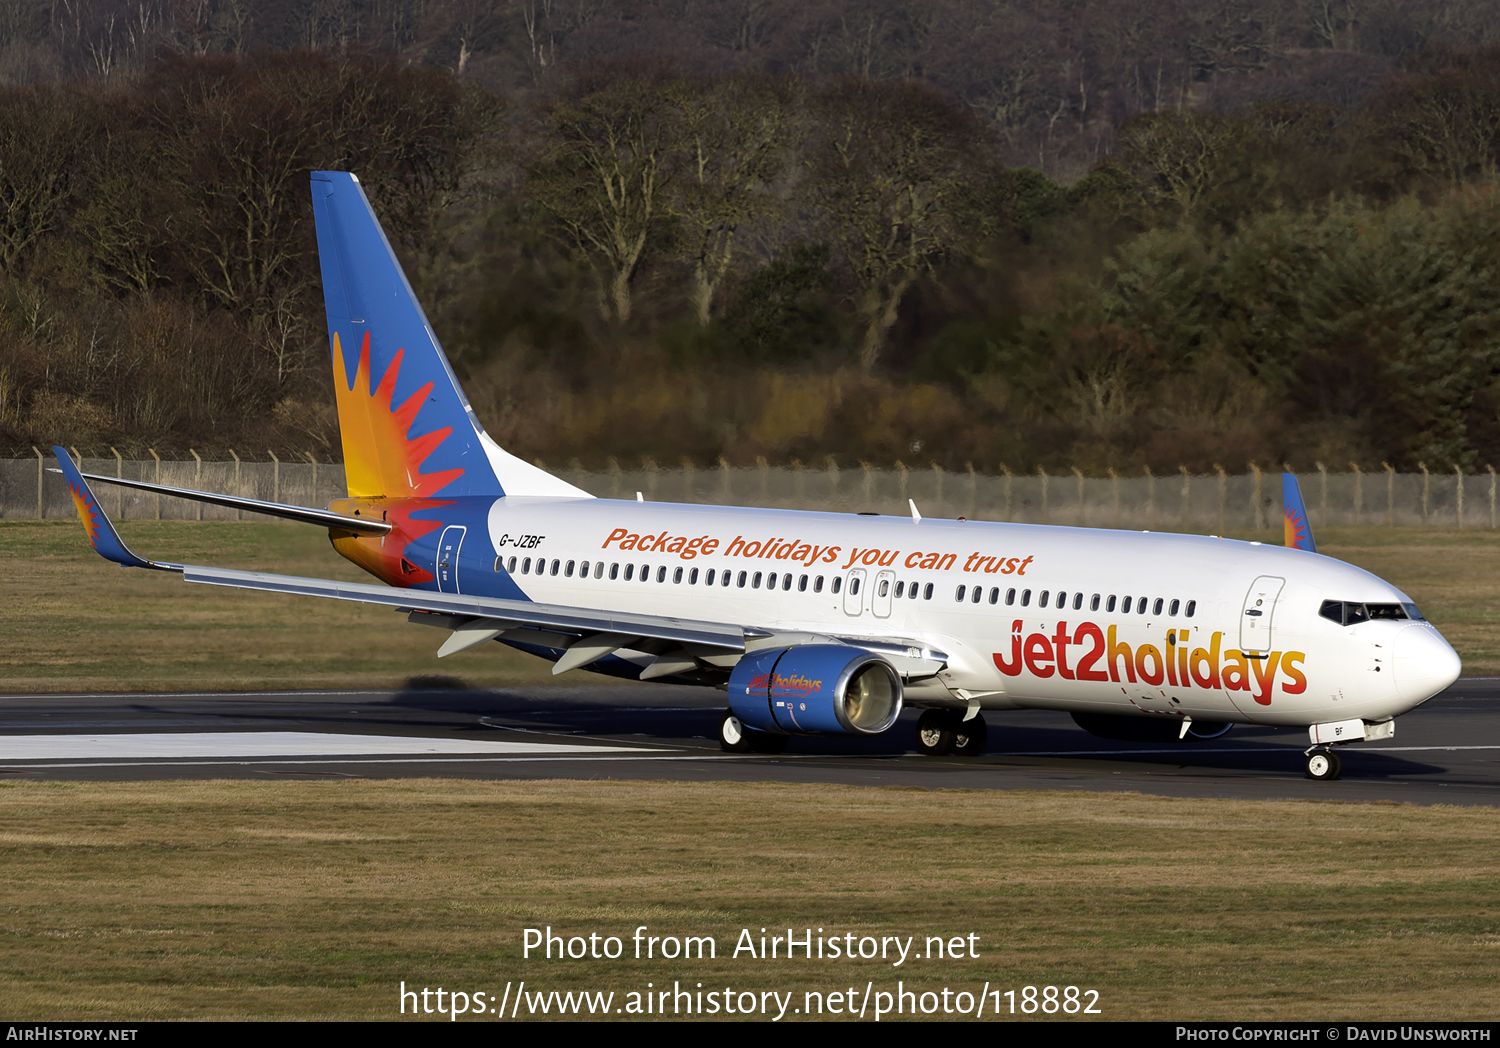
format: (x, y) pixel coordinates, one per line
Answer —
(1093, 655)
(1013, 667)
(1038, 655)
(1060, 642)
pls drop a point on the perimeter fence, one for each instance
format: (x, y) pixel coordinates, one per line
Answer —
(1213, 503)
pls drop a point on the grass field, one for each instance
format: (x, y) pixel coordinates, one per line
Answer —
(304, 900)
(315, 900)
(77, 623)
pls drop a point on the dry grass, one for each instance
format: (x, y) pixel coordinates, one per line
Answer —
(314, 900)
(75, 623)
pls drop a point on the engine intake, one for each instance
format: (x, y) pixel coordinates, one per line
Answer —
(816, 689)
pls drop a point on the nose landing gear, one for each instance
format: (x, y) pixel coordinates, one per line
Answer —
(1323, 764)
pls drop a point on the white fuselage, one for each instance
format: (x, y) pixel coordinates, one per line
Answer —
(1049, 628)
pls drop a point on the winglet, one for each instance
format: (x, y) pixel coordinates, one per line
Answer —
(1298, 530)
(102, 534)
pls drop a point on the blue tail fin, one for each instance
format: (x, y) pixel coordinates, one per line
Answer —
(1297, 528)
(408, 430)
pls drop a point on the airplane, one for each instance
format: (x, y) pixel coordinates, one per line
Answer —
(814, 623)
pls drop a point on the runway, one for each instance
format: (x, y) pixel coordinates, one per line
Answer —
(1445, 752)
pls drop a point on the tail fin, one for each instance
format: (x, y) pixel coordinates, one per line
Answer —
(1298, 530)
(407, 428)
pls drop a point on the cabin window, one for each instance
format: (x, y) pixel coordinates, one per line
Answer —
(629, 572)
(1044, 599)
(1156, 608)
(1192, 607)
(1062, 599)
(743, 577)
(1078, 602)
(599, 569)
(583, 570)
(1025, 598)
(1172, 608)
(693, 577)
(900, 590)
(818, 584)
(1010, 597)
(645, 573)
(927, 592)
(555, 565)
(755, 582)
(1094, 603)
(995, 595)
(978, 593)
(568, 572)
(661, 573)
(802, 584)
(526, 566)
(614, 572)
(786, 581)
(676, 577)
(1125, 606)
(1111, 605)
(911, 591)
(708, 580)
(958, 594)
(854, 586)
(1140, 606)
(771, 580)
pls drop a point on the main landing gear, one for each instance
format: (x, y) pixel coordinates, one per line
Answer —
(940, 732)
(1323, 764)
(734, 737)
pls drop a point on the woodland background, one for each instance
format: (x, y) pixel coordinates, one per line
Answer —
(1100, 234)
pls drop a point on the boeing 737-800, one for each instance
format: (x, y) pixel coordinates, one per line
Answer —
(815, 623)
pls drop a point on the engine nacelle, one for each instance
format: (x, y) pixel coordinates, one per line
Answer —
(816, 689)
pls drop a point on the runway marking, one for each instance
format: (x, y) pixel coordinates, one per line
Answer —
(263, 744)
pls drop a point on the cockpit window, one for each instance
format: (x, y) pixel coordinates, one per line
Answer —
(1348, 613)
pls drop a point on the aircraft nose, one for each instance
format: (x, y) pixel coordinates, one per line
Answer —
(1425, 663)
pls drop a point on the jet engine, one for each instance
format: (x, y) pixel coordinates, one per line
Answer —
(815, 689)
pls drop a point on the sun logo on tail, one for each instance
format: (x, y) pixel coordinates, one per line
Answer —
(380, 458)
(87, 512)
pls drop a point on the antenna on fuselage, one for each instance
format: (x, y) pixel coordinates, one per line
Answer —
(1296, 527)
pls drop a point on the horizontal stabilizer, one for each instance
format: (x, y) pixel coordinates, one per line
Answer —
(102, 534)
(302, 514)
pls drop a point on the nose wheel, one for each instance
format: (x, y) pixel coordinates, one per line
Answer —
(1323, 764)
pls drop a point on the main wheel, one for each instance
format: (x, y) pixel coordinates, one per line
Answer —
(1324, 765)
(970, 736)
(734, 737)
(935, 734)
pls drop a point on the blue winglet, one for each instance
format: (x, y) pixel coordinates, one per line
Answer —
(102, 534)
(1298, 530)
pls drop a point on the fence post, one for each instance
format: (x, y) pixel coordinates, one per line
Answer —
(1259, 510)
(614, 476)
(119, 491)
(973, 507)
(1390, 494)
(1323, 509)
(901, 484)
(275, 476)
(1186, 496)
(1492, 494)
(833, 480)
(1077, 473)
(1046, 503)
(869, 482)
(158, 480)
(41, 507)
(1459, 506)
(239, 514)
(1223, 494)
(197, 482)
(1150, 498)
(937, 473)
(1008, 478)
(1114, 485)
(1359, 493)
(314, 462)
(1426, 488)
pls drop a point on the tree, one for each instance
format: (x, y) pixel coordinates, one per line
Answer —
(604, 178)
(734, 134)
(891, 162)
